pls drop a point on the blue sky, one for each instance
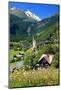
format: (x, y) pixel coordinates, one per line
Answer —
(41, 10)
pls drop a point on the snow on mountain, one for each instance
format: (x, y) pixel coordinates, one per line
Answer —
(30, 14)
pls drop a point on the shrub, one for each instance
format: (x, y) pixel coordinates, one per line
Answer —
(55, 62)
(30, 59)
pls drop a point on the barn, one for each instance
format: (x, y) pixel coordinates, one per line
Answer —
(45, 61)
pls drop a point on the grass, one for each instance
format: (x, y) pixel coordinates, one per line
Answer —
(43, 77)
(12, 53)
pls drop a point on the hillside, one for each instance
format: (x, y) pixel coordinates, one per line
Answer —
(47, 27)
(19, 24)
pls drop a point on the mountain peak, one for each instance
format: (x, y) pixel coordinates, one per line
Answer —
(30, 14)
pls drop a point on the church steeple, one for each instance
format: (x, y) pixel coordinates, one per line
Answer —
(34, 43)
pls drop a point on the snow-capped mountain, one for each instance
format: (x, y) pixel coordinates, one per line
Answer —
(32, 15)
(28, 13)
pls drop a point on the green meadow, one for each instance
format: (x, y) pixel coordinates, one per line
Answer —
(29, 40)
(30, 78)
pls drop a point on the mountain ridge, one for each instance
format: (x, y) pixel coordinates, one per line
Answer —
(23, 27)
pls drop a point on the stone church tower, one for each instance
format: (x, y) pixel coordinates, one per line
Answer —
(34, 46)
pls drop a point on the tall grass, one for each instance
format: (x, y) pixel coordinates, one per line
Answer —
(30, 78)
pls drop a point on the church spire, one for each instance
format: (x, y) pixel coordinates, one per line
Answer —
(34, 43)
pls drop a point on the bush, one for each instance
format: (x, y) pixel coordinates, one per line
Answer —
(49, 49)
(55, 62)
(30, 59)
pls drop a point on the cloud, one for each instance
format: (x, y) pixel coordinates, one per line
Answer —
(13, 8)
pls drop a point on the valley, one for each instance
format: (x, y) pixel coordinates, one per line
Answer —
(29, 40)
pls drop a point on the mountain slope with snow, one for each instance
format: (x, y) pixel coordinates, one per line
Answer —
(23, 25)
(32, 15)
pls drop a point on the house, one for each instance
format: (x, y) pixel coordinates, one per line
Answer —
(18, 56)
(45, 60)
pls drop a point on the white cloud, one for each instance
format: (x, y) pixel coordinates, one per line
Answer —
(13, 8)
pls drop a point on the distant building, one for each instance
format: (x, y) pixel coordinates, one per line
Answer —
(45, 60)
